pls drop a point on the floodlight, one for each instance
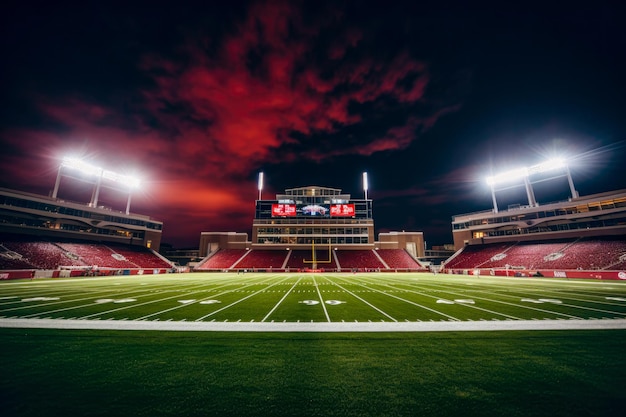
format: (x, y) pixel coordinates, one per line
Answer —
(260, 184)
(130, 181)
(99, 174)
(524, 174)
(365, 184)
(79, 165)
(133, 182)
(549, 165)
(508, 176)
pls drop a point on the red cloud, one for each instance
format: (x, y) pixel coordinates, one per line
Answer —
(263, 86)
(216, 117)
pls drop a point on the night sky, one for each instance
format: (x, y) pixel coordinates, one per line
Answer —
(199, 97)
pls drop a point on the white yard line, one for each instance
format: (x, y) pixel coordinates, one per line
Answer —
(91, 297)
(436, 311)
(177, 295)
(202, 299)
(560, 296)
(409, 301)
(241, 299)
(282, 299)
(364, 301)
(347, 327)
(569, 316)
(319, 294)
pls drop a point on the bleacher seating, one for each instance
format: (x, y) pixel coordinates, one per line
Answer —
(25, 253)
(582, 254)
(263, 259)
(13, 260)
(301, 259)
(222, 259)
(475, 255)
(359, 259)
(398, 259)
(42, 255)
(527, 255)
(593, 254)
(97, 255)
(140, 256)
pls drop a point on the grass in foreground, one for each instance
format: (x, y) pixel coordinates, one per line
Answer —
(555, 373)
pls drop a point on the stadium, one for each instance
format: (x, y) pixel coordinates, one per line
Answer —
(313, 315)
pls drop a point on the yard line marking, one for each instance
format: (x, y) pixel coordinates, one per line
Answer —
(64, 309)
(321, 299)
(202, 299)
(282, 299)
(410, 302)
(465, 303)
(141, 292)
(511, 304)
(146, 303)
(240, 300)
(59, 302)
(567, 294)
(578, 306)
(364, 301)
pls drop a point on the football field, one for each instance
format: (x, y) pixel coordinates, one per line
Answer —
(312, 345)
(313, 298)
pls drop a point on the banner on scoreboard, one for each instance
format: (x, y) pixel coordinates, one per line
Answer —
(342, 210)
(283, 210)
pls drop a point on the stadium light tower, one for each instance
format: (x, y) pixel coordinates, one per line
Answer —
(365, 184)
(523, 174)
(260, 184)
(99, 174)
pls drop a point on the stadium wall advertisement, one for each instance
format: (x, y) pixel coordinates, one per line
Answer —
(543, 273)
(36, 273)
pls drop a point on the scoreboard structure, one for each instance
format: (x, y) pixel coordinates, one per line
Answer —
(313, 215)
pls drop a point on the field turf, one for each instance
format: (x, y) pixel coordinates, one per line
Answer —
(46, 372)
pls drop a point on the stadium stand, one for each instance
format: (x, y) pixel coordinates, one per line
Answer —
(524, 255)
(262, 259)
(359, 260)
(25, 253)
(42, 255)
(581, 254)
(296, 260)
(301, 259)
(141, 257)
(398, 259)
(12, 260)
(222, 259)
(472, 256)
(97, 255)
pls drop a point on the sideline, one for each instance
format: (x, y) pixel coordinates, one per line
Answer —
(451, 326)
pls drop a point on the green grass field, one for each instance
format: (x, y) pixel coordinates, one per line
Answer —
(49, 372)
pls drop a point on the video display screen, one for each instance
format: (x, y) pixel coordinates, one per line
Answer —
(283, 210)
(313, 210)
(342, 210)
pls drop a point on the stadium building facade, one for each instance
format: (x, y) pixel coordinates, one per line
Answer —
(595, 215)
(583, 237)
(311, 215)
(319, 221)
(27, 214)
